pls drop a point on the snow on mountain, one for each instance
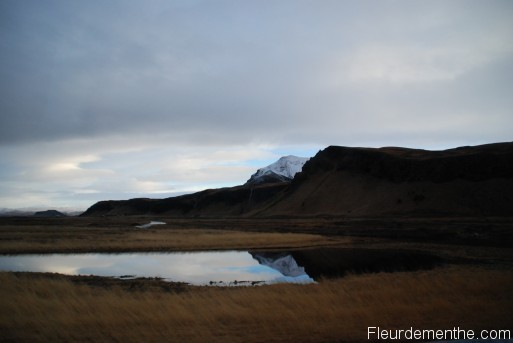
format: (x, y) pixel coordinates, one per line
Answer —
(282, 170)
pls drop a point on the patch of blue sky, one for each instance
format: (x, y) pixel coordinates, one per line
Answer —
(300, 151)
(260, 163)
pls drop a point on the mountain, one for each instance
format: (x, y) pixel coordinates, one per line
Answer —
(339, 181)
(7, 212)
(282, 170)
(367, 182)
(231, 201)
(33, 211)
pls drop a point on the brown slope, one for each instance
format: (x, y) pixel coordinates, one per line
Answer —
(223, 202)
(341, 181)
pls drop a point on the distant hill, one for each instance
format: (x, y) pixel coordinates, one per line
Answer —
(49, 213)
(6, 212)
(362, 182)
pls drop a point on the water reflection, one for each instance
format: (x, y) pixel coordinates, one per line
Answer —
(285, 264)
(150, 224)
(199, 268)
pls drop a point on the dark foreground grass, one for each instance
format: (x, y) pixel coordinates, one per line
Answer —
(42, 309)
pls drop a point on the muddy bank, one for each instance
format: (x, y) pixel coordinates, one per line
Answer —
(141, 284)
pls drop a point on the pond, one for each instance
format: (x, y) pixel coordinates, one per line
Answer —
(228, 267)
(197, 268)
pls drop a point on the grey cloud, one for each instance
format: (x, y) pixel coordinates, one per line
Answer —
(249, 68)
(197, 74)
(82, 71)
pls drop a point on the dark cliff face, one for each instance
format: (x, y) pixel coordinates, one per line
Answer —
(342, 181)
(402, 165)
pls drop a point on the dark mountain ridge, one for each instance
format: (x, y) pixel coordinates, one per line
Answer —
(344, 181)
(232, 201)
(475, 163)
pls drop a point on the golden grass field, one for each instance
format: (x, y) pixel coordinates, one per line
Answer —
(79, 236)
(474, 294)
(49, 310)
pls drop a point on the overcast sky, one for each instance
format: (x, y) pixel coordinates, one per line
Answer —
(108, 99)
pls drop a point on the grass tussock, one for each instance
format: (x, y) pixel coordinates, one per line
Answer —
(49, 309)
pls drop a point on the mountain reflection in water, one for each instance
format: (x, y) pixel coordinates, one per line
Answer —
(197, 268)
(286, 265)
(229, 267)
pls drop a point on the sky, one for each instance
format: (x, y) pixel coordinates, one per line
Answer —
(116, 99)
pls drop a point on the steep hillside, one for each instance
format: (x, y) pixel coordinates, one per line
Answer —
(466, 181)
(233, 201)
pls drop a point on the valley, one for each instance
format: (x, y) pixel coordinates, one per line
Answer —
(389, 237)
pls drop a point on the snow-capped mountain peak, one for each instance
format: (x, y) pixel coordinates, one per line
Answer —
(282, 170)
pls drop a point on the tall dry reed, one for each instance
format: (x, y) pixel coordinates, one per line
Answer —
(45, 309)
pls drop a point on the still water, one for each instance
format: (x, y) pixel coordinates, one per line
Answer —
(197, 268)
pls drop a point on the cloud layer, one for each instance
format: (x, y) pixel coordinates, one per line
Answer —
(124, 98)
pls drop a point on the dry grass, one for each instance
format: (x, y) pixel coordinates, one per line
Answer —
(82, 236)
(46, 309)
(58, 309)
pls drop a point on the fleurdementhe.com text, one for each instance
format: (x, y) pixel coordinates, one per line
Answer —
(377, 333)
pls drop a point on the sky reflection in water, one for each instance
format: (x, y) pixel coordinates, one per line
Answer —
(196, 267)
